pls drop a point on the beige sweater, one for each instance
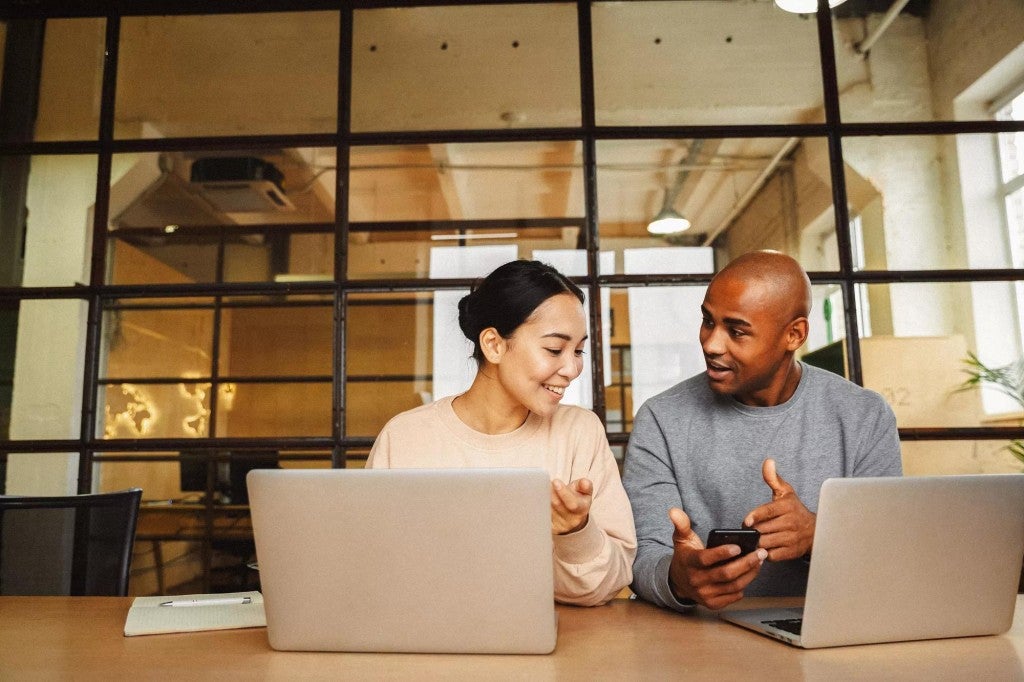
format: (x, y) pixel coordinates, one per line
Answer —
(592, 564)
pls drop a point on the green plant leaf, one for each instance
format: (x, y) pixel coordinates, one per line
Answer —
(1008, 379)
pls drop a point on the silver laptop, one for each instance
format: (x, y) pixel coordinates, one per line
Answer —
(906, 558)
(405, 560)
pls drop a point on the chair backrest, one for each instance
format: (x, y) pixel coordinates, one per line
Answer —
(78, 545)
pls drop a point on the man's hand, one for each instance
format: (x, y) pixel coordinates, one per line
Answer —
(786, 526)
(699, 574)
(570, 505)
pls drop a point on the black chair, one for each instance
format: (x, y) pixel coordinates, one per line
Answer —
(79, 545)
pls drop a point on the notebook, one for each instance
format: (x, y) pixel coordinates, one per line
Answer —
(906, 558)
(405, 560)
(194, 613)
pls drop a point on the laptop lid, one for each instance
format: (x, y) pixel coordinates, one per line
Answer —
(405, 560)
(908, 558)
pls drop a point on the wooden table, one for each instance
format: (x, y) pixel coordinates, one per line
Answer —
(81, 638)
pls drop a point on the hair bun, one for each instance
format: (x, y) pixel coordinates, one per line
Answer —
(465, 317)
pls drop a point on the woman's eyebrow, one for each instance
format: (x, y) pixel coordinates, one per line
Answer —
(564, 337)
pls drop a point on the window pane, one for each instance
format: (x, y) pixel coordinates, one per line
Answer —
(654, 342)
(370, 404)
(737, 194)
(71, 80)
(45, 223)
(1011, 145)
(141, 410)
(151, 342)
(234, 74)
(935, 61)
(922, 337)
(258, 410)
(42, 367)
(495, 66)
(927, 201)
(704, 63)
(24, 469)
(527, 196)
(207, 217)
(389, 334)
(276, 341)
(389, 358)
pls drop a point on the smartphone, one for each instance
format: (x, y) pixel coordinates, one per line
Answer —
(746, 538)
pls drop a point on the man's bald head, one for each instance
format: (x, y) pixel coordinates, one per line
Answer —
(754, 321)
(779, 278)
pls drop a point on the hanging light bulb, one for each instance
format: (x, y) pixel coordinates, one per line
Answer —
(804, 6)
(668, 221)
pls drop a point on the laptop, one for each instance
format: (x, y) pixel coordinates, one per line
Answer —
(906, 558)
(405, 560)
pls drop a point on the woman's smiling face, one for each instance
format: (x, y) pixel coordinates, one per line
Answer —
(544, 354)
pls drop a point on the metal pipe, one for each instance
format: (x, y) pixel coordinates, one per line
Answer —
(863, 46)
(752, 191)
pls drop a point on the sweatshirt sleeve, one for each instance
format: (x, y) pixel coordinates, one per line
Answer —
(650, 482)
(593, 564)
(880, 452)
(380, 453)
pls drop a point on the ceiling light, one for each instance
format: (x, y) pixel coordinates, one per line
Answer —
(804, 6)
(459, 237)
(668, 221)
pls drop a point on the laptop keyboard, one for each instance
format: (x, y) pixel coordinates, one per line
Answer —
(788, 624)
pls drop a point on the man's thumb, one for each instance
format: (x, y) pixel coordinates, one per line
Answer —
(775, 482)
(682, 524)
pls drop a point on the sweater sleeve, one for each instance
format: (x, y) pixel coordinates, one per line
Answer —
(880, 451)
(593, 564)
(380, 453)
(650, 482)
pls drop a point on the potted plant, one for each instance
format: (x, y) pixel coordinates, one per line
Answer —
(1008, 380)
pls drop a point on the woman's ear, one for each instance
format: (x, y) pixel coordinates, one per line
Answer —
(492, 345)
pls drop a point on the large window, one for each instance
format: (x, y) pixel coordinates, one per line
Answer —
(1011, 166)
(236, 239)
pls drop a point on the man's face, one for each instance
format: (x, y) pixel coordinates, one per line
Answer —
(745, 339)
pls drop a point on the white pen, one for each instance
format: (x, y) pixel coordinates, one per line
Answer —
(223, 601)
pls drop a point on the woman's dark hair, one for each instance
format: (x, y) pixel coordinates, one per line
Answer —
(508, 296)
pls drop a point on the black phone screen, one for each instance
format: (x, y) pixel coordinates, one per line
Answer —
(746, 538)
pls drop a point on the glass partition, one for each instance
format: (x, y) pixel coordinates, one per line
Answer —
(389, 357)
(42, 367)
(931, 61)
(449, 67)
(194, 532)
(46, 206)
(653, 339)
(704, 63)
(917, 349)
(929, 458)
(247, 216)
(231, 74)
(269, 374)
(413, 205)
(71, 79)
(735, 195)
(934, 202)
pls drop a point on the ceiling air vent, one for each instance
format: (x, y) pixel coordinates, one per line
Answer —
(242, 184)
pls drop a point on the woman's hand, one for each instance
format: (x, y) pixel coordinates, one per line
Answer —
(570, 505)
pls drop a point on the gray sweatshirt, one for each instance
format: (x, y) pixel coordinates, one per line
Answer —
(702, 452)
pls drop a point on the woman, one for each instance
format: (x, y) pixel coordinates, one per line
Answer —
(528, 329)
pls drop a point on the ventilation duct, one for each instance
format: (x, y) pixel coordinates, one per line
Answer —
(240, 184)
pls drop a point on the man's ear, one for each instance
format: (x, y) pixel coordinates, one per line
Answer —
(492, 345)
(797, 333)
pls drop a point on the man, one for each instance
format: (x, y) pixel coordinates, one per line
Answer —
(748, 442)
